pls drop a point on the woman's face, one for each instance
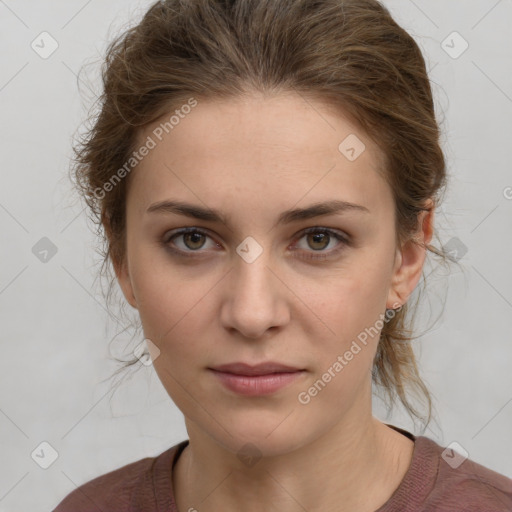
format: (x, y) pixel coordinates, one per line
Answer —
(255, 287)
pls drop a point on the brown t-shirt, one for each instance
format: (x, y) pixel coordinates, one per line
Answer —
(430, 484)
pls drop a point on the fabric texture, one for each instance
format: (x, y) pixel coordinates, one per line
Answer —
(430, 484)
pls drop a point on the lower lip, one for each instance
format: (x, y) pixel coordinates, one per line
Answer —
(257, 385)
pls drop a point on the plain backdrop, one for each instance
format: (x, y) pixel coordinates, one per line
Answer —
(55, 333)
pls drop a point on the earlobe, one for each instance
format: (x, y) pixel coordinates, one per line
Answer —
(409, 261)
(395, 294)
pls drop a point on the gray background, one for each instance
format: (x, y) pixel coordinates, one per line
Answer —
(55, 330)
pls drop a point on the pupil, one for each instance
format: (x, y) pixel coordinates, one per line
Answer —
(195, 239)
(319, 237)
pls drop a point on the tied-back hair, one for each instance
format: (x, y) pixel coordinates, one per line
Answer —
(349, 53)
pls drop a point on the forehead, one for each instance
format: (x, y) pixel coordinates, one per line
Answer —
(279, 148)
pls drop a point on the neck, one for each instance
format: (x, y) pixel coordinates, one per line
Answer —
(350, 468)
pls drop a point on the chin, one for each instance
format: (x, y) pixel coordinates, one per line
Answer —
(262, 438)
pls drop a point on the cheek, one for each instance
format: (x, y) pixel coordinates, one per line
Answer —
(167, 307)
(172, 309)
(351, 299)
(162, 297)
(350, 306)
(170, 312)
(343, 357)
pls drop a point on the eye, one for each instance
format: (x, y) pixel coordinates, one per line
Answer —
(318, 239)
(192, 240)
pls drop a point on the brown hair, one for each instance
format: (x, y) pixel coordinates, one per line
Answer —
(350, 53)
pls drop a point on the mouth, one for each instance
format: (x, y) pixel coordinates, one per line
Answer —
(262, 379)
(266, 368)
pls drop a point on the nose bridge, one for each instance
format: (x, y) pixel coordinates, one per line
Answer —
(254, 300)
(252, 274)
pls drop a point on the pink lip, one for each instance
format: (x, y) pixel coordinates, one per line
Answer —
(258, 369)
(262, 379)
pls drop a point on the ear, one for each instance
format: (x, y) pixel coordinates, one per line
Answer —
(410, 259)
(120, 266)
(125, 283)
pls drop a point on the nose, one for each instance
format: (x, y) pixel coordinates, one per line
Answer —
(255, 298)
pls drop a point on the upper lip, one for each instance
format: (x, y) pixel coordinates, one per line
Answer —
(258, 369)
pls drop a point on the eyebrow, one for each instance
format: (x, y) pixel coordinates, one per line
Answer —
(287, 217)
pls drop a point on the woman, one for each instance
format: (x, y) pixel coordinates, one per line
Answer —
(266, 174)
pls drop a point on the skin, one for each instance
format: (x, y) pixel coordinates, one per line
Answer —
(252, 158)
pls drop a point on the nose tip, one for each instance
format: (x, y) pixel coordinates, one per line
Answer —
(254, 302)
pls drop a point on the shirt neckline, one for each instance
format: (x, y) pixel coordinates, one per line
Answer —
(410, 493)
(420, 477)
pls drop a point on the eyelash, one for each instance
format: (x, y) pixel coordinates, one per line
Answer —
(321, 255)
